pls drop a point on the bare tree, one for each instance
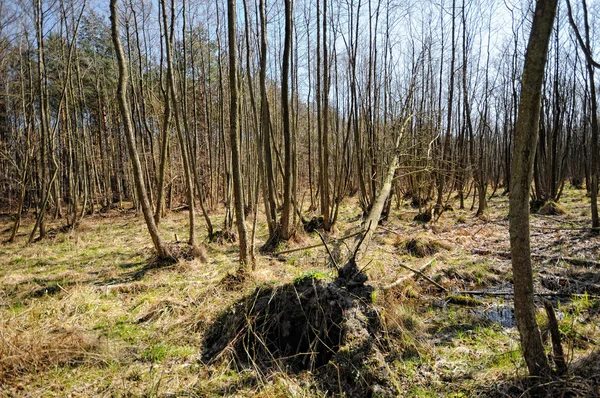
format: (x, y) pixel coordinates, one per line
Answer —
(238, 189)
(526, 136)
(590, 65)
(287, 135)
(159, 245)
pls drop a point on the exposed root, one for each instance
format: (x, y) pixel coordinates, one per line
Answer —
(271, 244)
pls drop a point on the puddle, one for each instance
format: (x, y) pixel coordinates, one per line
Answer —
(504, 314)
(494, 309)
(500, 313)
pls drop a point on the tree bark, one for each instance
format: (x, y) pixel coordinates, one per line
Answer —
(265, 121)
(526, 137)
(159, 245)
(287, 135)
(233, 134)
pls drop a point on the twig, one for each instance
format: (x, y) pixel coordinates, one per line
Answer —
(328, 251)
(476, 232)
(389, 230)
(362, 238)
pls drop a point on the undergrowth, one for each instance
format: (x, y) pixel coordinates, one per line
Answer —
(84, 313)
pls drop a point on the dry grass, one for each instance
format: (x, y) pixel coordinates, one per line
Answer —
(85, 314)
(38, 349)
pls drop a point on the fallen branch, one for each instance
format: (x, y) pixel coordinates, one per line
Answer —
(571, 260)
(419, 272)
(389, 230)
(510, 293)
(318, 244)
(328, 251)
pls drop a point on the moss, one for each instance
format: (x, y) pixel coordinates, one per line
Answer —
(312, 274)
(464, 300)
(552, 208)
(155, 353)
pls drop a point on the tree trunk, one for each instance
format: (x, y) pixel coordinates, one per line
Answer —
(372, 219)
(526, 136)
(287, 135)
(590, 65)
(159, 244)
(233, 134)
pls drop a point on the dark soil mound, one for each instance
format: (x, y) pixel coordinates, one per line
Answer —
(330, 328)
(222, 237)
(181, 250)
(416, 201)
(547, 208)
(313, 224)
(423, 217)
(232, 281)
(421, 247)
(49, 290)
(552, 209)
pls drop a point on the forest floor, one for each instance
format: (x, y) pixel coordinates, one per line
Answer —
(87, 313)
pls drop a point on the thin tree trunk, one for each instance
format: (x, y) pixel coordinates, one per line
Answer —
(233, 134)
(159, 245)
(287, 135)
(526, 136)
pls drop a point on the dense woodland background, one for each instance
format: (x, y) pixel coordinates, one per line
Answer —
(249, 126)
(325, 96)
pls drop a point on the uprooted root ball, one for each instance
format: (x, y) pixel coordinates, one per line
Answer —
(552, 209)
(421, 247)
(546, 208)
(222, 237)
(330, 328)
(314, 224)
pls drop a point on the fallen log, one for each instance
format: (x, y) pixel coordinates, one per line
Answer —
(572, 260)
(511, 293)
